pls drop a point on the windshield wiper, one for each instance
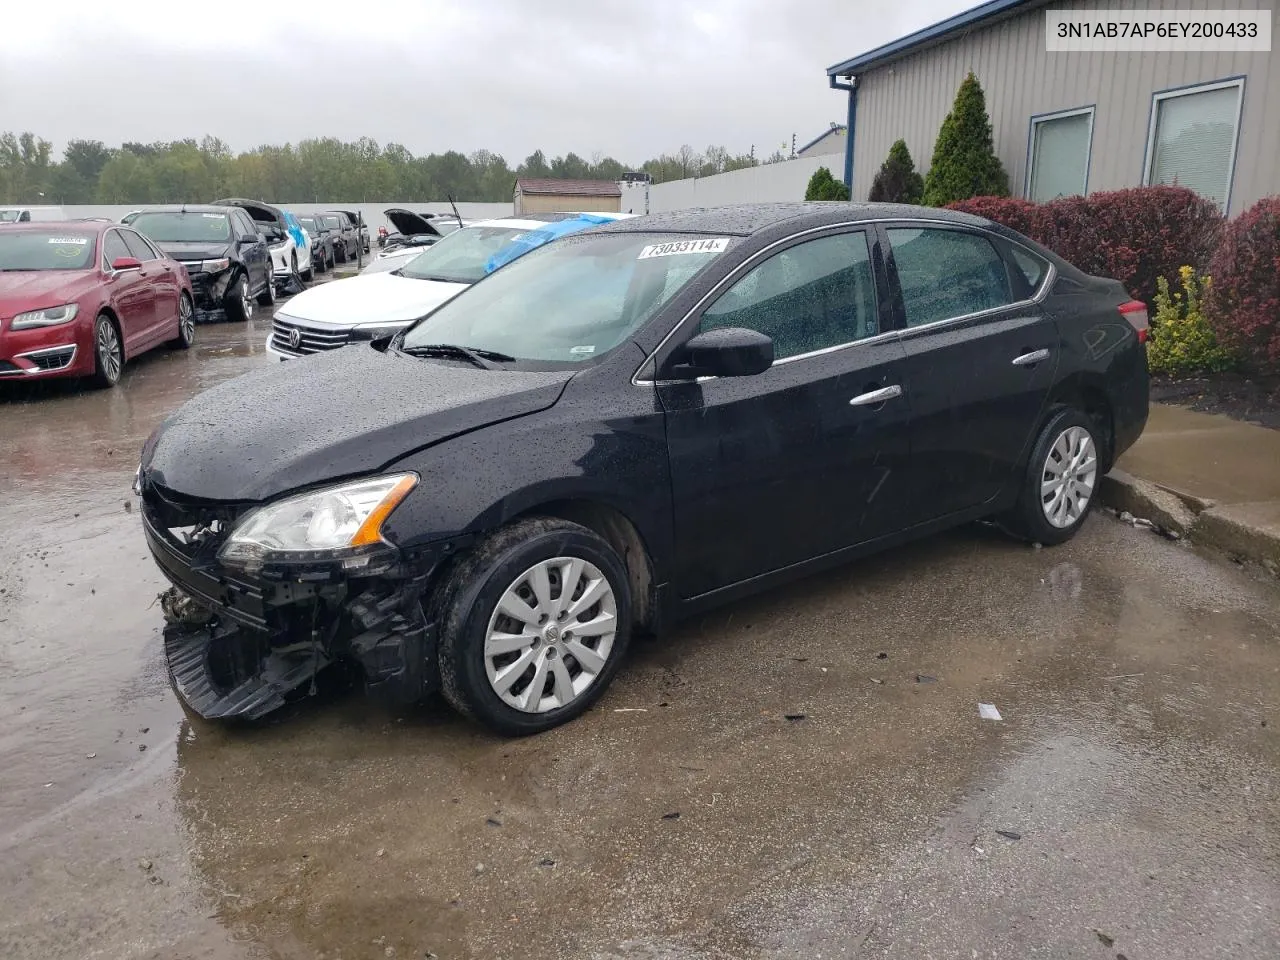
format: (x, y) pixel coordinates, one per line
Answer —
(475, 355)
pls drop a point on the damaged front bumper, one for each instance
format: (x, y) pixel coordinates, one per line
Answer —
(241, 645)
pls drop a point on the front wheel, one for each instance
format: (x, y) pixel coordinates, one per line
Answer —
(108, 351)
(310, 273)
(536, 621)
(267, 297)
(238, 303)
(1060, 481)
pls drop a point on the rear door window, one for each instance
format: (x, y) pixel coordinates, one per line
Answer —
(946, 274)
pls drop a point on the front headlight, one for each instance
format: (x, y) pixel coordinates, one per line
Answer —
(48, 317)
(376, 331)
(340, 522)
(215, 266)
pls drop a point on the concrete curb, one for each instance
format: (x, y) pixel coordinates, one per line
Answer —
(1247, 531)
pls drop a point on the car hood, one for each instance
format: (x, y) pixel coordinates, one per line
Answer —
(286, 427)
(408, 222)
(371, 298)
(199, 250)
(23, 290)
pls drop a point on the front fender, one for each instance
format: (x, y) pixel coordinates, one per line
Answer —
(574, 451)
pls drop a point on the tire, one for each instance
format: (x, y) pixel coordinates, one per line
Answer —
(108, 352)
(307, 277)
(186, 324)
(267, 297)
(1067, 451)
(321, 266)
(340, 252)
(574, 672)
(237, 302)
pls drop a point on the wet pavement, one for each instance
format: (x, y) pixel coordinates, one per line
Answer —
(1127, 804)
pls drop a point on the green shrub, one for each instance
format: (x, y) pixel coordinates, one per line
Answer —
(897, 181)
(1181, 340)
(1245, 303)
(964, 160)
(823, 186)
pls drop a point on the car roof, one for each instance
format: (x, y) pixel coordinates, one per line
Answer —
(531, 221)
(742, 220)
(186, 208)
(49, 226)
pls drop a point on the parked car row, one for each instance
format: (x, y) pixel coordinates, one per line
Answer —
(371, 306)
(635, 422)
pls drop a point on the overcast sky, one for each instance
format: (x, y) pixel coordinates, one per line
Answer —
(628, 79)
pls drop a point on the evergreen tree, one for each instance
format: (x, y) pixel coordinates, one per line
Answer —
(823, 186)
(897, 181)
(964, 161)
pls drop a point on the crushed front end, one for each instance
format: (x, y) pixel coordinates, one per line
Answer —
(243, 638)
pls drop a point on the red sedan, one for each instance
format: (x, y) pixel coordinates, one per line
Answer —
(79, 298)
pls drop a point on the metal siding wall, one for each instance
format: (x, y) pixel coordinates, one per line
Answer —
(910, 99)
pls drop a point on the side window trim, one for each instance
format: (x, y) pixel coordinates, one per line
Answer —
(1046, 282)
(872, 240)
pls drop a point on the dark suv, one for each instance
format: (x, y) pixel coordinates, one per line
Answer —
(348, 244)
(222, 250)
(362, 228)
(622, 428)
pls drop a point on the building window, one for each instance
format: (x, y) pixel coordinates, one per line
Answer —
(1192, 141)
(1060, 147)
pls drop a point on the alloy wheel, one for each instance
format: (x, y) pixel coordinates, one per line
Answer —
(1068, 477)
(246, 301)
(109, 358)
(551, 634)
(186, 320)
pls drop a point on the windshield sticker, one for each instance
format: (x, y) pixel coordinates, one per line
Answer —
(588, 348)
(677, 247)
(214, 216)
(64, 241)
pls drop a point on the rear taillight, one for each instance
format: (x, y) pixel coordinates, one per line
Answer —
(1135, 311)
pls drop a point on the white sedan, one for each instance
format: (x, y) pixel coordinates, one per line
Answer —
(375, 305)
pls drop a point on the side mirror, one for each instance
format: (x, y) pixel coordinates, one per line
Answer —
(248, 238)
(726, 352)
(126, 263)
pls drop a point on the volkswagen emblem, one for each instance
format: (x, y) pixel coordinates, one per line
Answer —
(295, 338)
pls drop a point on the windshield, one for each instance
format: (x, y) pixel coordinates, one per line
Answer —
(309, 224)
(40, 250)
(184, 227)
(461, 256)
(570, 301)
(10, 216)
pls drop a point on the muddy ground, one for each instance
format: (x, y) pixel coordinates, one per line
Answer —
(802, 775)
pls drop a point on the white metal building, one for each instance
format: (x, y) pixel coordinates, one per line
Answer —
(1073, 123)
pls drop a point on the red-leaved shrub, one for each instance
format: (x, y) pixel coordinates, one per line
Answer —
(1244, 301)
(1134, 236)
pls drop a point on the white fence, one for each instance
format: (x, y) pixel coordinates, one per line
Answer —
(372, 212)
(768, 183)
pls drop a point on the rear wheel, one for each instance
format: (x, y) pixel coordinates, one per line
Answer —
(186, 324)
(1061, 479)
(108, 352)
(237, 302)
(536, 622)
(309, 275)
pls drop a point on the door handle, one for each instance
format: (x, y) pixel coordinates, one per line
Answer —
(1030, 359)
(876, 396)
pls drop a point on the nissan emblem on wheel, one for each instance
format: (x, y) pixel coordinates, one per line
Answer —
(628, 426)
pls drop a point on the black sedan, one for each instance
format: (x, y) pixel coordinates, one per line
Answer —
(623, 428)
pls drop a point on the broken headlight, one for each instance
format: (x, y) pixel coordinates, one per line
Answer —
(342, 522)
